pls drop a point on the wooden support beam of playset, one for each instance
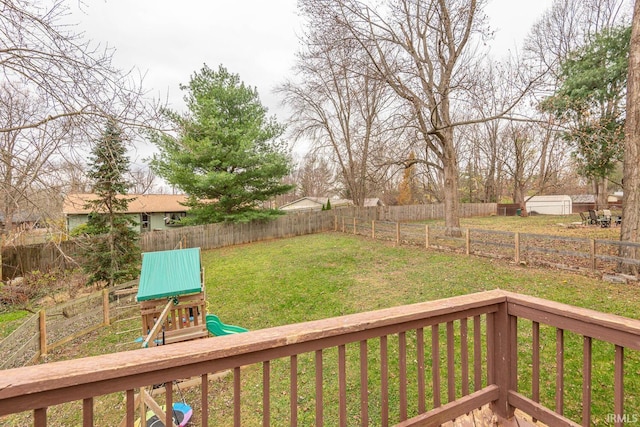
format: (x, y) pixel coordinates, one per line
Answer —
(156, 328)
(151, 403)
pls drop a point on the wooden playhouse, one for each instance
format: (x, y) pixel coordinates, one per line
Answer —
(172, 297)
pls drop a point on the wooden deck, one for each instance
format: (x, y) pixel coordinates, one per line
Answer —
(484, 417)
(463, 350)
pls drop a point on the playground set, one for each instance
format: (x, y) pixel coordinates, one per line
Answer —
(173, 307)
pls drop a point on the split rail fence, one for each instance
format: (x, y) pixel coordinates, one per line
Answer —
(56, 326)
(571, 253)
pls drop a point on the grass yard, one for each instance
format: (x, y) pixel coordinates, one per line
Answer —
(318, 276)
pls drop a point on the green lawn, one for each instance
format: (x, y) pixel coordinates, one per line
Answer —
(318, 276)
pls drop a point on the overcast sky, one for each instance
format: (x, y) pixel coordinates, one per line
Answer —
(168, 40)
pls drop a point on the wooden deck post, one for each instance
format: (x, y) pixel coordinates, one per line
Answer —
(43, 333)
(504, 359)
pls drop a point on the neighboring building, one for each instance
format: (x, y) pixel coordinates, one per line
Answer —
(582, 202)
(316, 203)
(150, 211)
(550, 205)
(615, 198)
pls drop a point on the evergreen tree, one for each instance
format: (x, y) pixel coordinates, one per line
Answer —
(112, 253)
(591, 101)
(328, 205)
(225, 155)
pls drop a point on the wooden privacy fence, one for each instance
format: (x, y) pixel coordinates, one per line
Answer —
(212, 236)
(17, 260)
(56, 326)
(572, 253)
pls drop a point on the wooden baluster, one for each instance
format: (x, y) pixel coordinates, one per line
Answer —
(618, 387)
(477, 353)
(586, 380)
(266, 393)
(451, 368)
(435, 364)
(464, 356)
(342, 384)
(402, 362)
(421, 378)
(293, 390)
(87, 412)
(560, 371)
(319, 401)
(237, 420)
(204, 399)
(384, 382)
(364, 382)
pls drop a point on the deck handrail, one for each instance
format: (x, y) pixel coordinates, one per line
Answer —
(39, 387)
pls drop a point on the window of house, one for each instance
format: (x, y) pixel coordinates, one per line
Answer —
(145, 220)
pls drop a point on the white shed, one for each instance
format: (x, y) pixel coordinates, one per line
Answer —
(550, 205)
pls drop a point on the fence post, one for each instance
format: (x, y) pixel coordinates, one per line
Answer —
(335, 223)
(516, 256)
(593, 254)
(105, 307)
(43, 333)
(343, 226)
(398, 233)
(373, 229)
(355, 228)
(468, 242)
(426, 236)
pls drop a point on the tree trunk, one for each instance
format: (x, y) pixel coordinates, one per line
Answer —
(631, 179)
(600, 189)
(451, 195)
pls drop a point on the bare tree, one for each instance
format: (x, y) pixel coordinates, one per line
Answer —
(427, 52)
(58, 90)
(337, 104)
(143, 180)
(314, 176)
(72, 78)
(567, 25)
(26, 153)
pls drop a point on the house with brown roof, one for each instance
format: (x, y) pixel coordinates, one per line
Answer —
(150, 211)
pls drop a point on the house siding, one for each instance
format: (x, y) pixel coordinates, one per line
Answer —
(156, 221)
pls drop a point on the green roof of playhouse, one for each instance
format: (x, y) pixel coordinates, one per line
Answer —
(169, 273)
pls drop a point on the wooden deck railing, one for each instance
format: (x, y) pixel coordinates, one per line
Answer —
(373, 368)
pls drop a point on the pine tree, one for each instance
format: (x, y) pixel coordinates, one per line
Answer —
(226, 155)
(328, 205)
(112, 253)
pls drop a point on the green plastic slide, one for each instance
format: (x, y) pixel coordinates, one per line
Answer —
(217, 328)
